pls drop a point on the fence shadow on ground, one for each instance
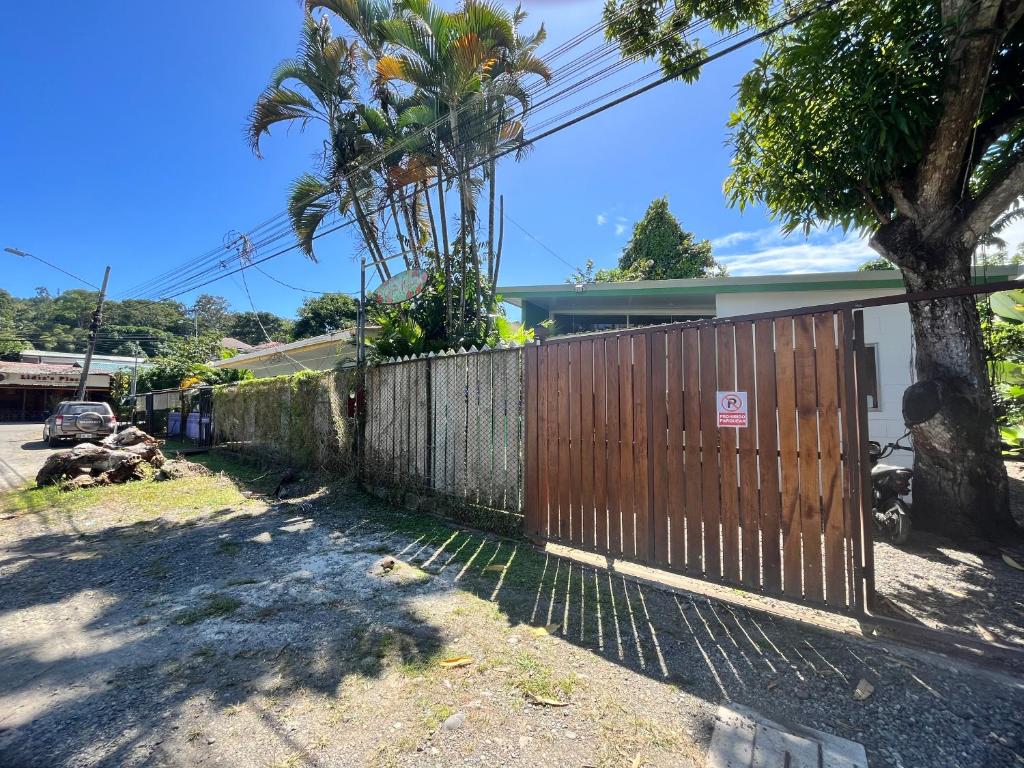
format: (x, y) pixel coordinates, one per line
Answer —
(145, 657)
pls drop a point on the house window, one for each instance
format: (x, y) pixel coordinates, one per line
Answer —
(869, 379)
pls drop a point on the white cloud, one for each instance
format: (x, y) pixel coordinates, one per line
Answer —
(620, 228)
(601, 219)
(773, 254)
(762, 238)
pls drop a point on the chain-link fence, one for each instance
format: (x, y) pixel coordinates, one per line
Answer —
(449, 425)
(182, 417)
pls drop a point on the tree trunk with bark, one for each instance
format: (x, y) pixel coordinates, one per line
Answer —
(960, 483)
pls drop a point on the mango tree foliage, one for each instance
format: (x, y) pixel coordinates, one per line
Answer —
(903, 119)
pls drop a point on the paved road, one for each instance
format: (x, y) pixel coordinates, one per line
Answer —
(22, 453)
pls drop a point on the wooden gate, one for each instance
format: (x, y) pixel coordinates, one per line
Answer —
(624, 455)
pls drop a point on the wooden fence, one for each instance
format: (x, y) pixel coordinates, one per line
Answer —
(624, 454)
(451, 424)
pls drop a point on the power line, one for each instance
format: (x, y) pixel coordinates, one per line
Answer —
(537, 88)
(772, 29)
(539, 242)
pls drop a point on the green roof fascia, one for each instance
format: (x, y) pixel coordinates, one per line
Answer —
(529, 293)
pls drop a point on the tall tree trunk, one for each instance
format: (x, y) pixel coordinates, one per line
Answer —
(960, 484)
(398, 231)
(433, 224)
(446, 255)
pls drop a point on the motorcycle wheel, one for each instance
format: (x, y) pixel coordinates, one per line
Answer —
(899, 529)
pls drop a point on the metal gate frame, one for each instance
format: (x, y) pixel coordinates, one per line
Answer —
(661, 496)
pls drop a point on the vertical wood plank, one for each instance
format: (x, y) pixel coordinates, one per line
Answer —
(563, 441)
(831, 475)
(748, 480)
(532, 517)
(710, 478)
(658, 514)
(613, 434)
(576, 513)
(627, 459)
(727, 459)
(767, 456)
(587, 443)
(551, 438)
(675, 467)
(810, 491)
(785, 385)
(541, 440)
(642, 447)
(866, 553)
(851, 457)
(692, 460)
(600, 446)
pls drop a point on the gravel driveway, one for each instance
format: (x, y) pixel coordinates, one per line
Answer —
(22, 453)
(314, 631)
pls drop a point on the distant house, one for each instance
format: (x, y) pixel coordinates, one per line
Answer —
(319, 353)
(609, 306)
(236, 346)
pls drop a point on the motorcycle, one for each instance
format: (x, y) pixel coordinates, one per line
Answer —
(890, 485)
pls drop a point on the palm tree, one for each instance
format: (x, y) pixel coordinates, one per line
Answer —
(446, 94)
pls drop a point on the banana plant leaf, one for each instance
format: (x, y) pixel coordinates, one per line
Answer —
(1009, 305)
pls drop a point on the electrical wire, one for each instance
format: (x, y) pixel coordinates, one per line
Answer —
(767, 31)
(370, 163)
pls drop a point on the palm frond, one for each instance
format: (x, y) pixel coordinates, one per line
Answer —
(276, 105)
(310, 200)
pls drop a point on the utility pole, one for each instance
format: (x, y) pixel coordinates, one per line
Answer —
(97, 320)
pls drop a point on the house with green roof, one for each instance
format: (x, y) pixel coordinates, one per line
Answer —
(603, 306)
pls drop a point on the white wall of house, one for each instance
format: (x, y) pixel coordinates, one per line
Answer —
(886, 327)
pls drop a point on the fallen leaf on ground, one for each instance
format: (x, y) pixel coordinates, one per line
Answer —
(772, 684)
(496, 568)
(984, 633)
(550, 629)
(545, 701)
(863, 690)
(457, 661)
(1012, 562)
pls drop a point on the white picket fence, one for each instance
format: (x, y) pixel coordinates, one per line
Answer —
(451, 423)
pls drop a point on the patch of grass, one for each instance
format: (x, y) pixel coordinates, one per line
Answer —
(215, 607)
(534, 678)
(436, 714)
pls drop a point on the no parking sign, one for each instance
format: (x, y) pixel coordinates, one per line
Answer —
(732, 409)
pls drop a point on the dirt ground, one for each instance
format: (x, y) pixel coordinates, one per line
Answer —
(194, 623)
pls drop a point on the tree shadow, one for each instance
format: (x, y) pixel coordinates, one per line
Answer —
(158, 626)
(934, 581)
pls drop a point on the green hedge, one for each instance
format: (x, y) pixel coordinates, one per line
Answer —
(300, 419)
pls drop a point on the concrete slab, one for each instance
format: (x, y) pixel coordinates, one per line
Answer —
(744, 738)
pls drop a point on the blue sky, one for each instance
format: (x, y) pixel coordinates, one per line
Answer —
(122, 143)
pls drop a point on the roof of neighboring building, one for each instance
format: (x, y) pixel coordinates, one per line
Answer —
(652, 293)
(38, 367)
(100, 363)
(271, 351)
(229, 343)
